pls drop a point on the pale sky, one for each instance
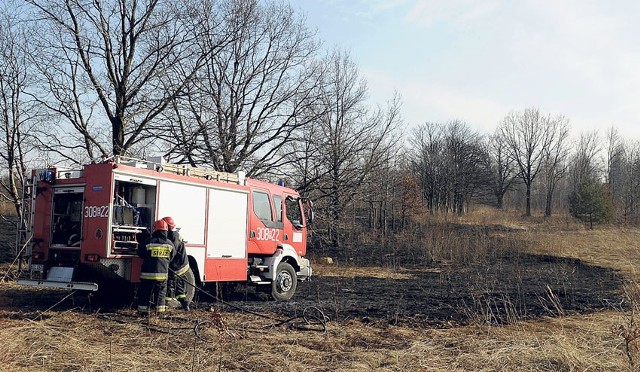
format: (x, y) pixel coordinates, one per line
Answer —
(478, 60)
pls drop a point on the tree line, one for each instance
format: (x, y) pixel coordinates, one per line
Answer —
(245, 84)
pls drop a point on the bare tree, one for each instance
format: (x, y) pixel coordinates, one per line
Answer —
(585, 163)
(452, 164)
(112, 62)
(615, 176)
(348, 141)
(467, 164)
(247, 102)
(427, 163)
(18, 112)
(503, 167)
(528, 134)
(555, 159)
(630, 183)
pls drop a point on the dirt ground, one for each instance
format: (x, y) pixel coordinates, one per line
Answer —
(494, 310)
(515, 287)
(503, 286)
(512, 288)
(346, 319)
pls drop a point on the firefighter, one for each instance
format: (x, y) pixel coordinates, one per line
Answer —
(156, 255)
(178, 267)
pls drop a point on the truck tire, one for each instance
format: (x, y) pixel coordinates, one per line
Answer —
(190, 285)
(285, 282)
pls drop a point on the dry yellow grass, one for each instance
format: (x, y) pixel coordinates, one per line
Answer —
(75, 340)
(607, 246)
(355, 271)
(80, 342)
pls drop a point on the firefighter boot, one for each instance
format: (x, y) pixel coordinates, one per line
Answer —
(173, 302)
(185, 304)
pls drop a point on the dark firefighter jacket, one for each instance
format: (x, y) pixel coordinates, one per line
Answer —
(180, 263)
(156, 255)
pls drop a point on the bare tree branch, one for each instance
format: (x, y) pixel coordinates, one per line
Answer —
(120, 54)
(247, 102)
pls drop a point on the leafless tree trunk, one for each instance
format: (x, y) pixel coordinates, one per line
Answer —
(428, 164)
(555, 159)
(113, 62)
(503, 167)
(452, 164)
(628, 179)
(585, 163)
(527, 136)
(615, 176)
(18, 112)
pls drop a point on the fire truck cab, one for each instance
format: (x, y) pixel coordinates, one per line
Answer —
(83, 227)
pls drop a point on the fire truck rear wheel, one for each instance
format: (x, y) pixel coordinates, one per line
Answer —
(190, 285)
(284, 282)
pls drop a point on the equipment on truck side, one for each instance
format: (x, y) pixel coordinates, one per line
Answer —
(82, 227)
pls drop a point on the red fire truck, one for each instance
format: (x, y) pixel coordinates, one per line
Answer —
(82, 227)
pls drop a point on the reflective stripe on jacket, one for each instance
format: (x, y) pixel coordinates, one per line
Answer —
(156, 255)
(159, 250)
(180, 263)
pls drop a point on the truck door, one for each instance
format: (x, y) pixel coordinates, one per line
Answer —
(294, 228)
(265, 229)
(66, 231)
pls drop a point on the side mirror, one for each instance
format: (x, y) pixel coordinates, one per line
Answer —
(310, 212)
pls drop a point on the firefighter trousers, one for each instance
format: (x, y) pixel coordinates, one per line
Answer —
(176, 286)
(152, 293)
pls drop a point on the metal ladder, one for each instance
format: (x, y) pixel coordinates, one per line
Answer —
(161, 165)
(25, 225)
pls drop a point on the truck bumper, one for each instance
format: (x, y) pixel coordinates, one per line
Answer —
(306, 271)
(59, 277)
(84, 286)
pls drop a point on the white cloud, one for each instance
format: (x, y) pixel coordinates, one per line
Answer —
(577, 58)
(580, 38)
(426, 102)
(457, 14)
(368, 9)
(595, 46)
(478, 60)
(442, 104)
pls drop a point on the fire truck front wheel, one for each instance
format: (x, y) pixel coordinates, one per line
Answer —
(284, 282)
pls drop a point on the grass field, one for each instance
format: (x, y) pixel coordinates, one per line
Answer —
(56, 330)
